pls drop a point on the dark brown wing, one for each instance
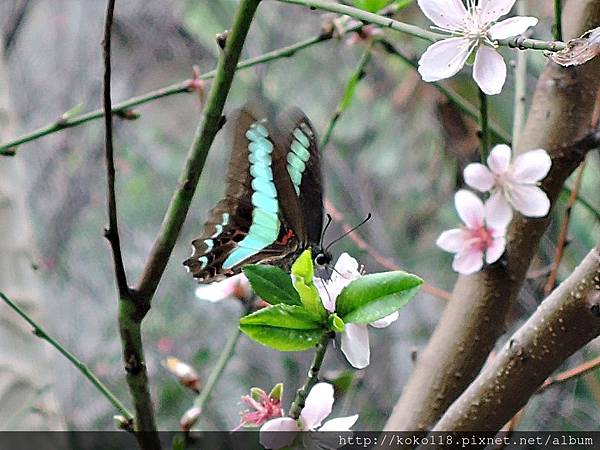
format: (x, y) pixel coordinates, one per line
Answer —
(229, 222)
(301, 192)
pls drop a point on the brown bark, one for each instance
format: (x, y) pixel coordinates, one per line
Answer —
(475, 316)
(567, 320)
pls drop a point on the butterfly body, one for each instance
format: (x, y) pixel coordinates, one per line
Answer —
(273, 206)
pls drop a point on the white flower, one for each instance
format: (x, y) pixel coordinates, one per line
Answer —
(514, 184)
(318, 406)
(237, 286)
(355, 338)
(472, 29)
(483, 234)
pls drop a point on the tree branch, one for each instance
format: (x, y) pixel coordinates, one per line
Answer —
(205, 134)
(112, 231)
(563, 323)
(475, 316)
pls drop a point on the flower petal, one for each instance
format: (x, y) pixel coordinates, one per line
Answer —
(346, 270)
(492, 10)
(468, 262)
(531, 166)
(452, 241)
(511, 27)
(317, 406)
(479, 177)
(216, 292)
(444, 13)
(278, 433)
(489, 70)
(355, 345)
(498, 212)
(495, 250)
(444, 58)
(327, 299)
(340, 423)
(530, 200)
(499, 159)
(386, 321)
(469, 208)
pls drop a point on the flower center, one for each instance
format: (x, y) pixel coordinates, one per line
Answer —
(479, 238)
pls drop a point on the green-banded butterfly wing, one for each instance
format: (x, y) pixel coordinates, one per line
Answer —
(300, 187)
(247, 225)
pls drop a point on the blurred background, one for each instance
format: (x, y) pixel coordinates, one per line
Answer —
(397, 153)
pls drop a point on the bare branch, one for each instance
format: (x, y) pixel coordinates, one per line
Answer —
(567, 320)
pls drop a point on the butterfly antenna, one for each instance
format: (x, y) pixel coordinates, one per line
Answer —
(329, 219)
(350, 231)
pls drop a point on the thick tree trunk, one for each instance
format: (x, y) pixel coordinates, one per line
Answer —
(475, 316)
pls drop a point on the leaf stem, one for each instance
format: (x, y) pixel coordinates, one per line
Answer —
(484, 131)
(83, 368)
(349, 90)
(311, 380)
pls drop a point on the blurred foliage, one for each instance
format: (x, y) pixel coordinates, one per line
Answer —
(389, 155)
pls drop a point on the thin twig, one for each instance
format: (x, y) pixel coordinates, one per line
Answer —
(8, 148)
(564, 229)
(112, 231)
(412, 30)
(83, 368)
(484, 136)
(349, 90)
(456, 99)
(378, 257)
(568, 375)
(558, 20)
(311, 379)
(217, 370)
(520, 86)
(203, 139)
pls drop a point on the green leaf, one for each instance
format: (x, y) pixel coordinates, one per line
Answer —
(371, 5)
(376, 295)
(283, 339)
(335, 323)
(302, 273)
(282, 316)
(272, 284)
(401, 4)
(283, 327)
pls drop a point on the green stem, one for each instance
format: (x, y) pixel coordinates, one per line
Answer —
(558, 20)
(207, 129)
(485, 132)
(84, 369)
(8, 148)
(311, 380)
(566, 192)
(356, 76)
(413, 30)
(520, 86)
(454, 97)
(218, 369)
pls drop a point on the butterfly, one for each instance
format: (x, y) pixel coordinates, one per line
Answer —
(273, 205)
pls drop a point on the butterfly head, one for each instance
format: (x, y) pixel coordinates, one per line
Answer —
(322, 257)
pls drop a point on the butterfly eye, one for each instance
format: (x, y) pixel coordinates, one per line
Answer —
(322, 259)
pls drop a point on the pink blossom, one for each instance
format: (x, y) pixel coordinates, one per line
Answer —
(317, 407)
(263, 406)
(471, 29)
(513, 184)
(483, 234)
(236, 286)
